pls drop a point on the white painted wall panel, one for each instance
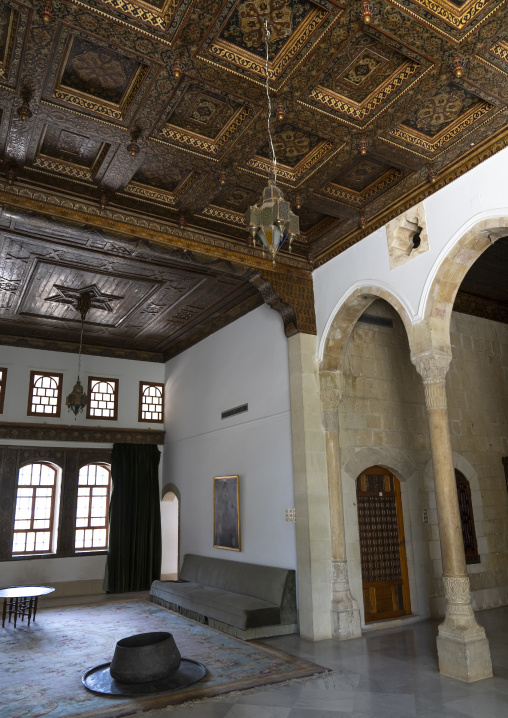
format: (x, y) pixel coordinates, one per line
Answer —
(20, 362)
(246, 362)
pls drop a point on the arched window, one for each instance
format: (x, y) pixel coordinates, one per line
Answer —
(35, 509)
(92, 523)
(467, 518)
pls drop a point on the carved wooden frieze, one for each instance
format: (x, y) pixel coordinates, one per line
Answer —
(54, 432)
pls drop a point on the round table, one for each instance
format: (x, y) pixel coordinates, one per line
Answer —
(21, 601)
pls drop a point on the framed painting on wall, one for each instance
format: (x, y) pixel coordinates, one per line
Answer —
(226, 513)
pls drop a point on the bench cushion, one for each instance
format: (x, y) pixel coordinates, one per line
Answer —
(264, 582)
(236, 609)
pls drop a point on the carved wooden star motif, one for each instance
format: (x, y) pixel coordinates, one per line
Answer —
(98, 299)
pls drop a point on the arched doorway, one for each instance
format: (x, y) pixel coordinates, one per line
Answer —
(382, 545)
(170, 532)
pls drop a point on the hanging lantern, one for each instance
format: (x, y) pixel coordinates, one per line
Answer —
(222, 177)
(133, 147)
(457, 66)
(271, 222)
(77, 399)
(366, 12)
(177, 68)
(363, 146)
(281, 111)
(24, 112)
(47, 11)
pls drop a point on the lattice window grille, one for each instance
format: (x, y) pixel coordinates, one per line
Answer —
(35, 503)
(102, 398)
(467, 519)
(92, 508)
(151, 402)
(45, 394)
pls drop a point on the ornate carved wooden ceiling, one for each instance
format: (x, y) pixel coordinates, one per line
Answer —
(100, 69)
(370, 109)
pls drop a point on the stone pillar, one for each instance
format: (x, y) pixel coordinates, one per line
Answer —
(311, 490)
(463, 648)
(346, 622)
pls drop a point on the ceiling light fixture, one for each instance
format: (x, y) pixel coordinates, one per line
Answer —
(457, 66)
(366, 12)
(177, 68)
(47, 11)
(222, 177)
(77, 399)
(432, 174)
(24, 112)
(271, 222)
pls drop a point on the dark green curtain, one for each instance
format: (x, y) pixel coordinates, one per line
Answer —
(134, 554)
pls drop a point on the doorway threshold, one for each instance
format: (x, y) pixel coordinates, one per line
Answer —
(392, 623)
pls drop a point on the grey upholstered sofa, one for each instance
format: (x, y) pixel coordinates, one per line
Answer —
(244, 599)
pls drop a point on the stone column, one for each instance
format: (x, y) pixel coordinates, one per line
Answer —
(311, 490)
(463, 648)
(345, 615)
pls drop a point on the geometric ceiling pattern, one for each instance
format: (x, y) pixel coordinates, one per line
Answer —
(371, 112)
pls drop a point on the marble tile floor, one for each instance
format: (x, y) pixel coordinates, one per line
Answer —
(389, 673)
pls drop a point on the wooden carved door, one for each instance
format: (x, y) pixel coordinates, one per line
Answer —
(382, 545)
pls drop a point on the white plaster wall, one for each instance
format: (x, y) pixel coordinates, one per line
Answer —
(52, 570)
(246, 362)
(478, 194)
(20, 362)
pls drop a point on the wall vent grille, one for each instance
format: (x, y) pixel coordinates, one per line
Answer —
(379, 321)
(236, 410)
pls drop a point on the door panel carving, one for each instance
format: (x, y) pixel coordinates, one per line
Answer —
(382, 545)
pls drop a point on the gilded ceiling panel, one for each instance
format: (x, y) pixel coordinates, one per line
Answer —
(97, 77)
(450, 111)
(235, 41)
(204, 120)
(161, 20)
(458, 14)
(364, 78)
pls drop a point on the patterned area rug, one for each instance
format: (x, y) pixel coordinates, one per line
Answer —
(41, 666)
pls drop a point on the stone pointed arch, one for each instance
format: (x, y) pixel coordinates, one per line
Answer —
(444, 281)
(345, 316)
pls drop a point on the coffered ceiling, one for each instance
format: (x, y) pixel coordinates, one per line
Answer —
(372, 112)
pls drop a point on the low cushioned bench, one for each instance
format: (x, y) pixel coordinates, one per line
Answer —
(244, 599)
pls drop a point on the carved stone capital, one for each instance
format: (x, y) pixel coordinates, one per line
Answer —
(339, 574)
(346, 622)
(459, 617)
(457, 589)
(432, 367)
